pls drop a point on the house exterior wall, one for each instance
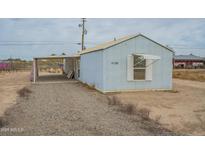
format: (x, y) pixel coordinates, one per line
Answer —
(115, 66)
(91, 69)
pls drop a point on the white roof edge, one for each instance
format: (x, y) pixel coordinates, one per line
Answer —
(55, 57)
(120, 40)
(148, 56)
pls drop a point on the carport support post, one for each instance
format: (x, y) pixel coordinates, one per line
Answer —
(34, 69)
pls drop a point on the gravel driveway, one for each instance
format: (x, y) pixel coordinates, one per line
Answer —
(72, 109)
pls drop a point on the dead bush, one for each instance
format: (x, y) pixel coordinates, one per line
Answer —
(92, 87)
(144, 112)
(24, 92)
(170, 91)
(2, 122)
(110, 100)
(130, 108)
(127, 108)
(114, 100)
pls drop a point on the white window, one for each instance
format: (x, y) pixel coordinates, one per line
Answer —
(139, 66)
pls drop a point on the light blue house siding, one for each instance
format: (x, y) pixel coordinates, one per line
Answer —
(107, 69)
(91, 69)
(115, 76)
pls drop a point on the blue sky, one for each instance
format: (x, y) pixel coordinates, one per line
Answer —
(27, 38)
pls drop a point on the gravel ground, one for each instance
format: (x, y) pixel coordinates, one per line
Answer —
(72, 109)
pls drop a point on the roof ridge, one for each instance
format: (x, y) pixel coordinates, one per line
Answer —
(117, 41)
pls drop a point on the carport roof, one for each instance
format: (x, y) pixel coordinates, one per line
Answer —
(57, 57)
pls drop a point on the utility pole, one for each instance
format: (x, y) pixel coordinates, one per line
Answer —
(84, 32)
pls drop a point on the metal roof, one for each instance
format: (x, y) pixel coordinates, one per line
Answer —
(117, 41)
(58, 57)
(187, 57)
(4, 61)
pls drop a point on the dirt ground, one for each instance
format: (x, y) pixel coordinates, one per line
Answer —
(181, 110)
(10, 83)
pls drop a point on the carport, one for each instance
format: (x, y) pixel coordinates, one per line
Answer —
(70, 68)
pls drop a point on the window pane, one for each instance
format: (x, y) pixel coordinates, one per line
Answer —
(139, 74)
(139, 61)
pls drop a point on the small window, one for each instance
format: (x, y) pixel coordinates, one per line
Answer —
(139, 67)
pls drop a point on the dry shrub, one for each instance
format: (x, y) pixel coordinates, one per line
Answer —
(127, 108)
(92, 87)
(2, 122)
(130, 108)
(24, 92)
(110, 100)
(144, 112)
(171, 91)
(114, 100)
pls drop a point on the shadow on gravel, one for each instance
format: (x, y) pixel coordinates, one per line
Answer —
(24, 92)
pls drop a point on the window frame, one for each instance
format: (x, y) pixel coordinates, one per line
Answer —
(139, 68)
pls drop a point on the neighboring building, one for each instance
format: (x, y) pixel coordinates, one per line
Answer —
(127, 64)
(4, 65)
(188, 61)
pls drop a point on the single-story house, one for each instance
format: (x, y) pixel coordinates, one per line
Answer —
(127, 64)
(188, 61)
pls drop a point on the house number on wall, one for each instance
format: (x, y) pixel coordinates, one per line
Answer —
(115, 63)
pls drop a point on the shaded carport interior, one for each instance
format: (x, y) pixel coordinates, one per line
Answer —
(67, 67)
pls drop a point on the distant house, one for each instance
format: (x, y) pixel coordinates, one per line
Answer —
(188, 61)
(4, 65)
(127, 64)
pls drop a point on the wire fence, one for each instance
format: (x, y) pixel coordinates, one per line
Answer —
(15, 65)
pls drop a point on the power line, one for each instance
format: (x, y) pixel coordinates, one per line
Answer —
(28, 44)
(31, 43)
(188, 48)
(182, 46)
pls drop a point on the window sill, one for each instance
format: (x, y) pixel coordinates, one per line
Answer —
(139, 80)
